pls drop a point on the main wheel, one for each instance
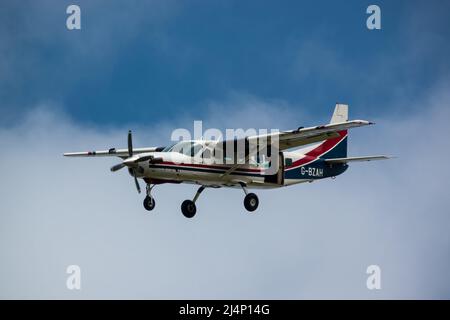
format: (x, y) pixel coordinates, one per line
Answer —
(251, 202)
(149, 203)
(188, 208)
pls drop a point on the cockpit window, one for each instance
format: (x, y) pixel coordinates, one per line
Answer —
(188, 148)
(169, 148)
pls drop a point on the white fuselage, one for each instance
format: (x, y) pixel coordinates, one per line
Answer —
(177, 168)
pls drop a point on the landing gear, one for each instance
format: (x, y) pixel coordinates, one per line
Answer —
(251, 200)
(188, 207)
(149, 201)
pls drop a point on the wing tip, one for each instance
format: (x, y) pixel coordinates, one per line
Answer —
(364, 122)
(77, 154)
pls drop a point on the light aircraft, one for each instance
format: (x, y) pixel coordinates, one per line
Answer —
(323, 154)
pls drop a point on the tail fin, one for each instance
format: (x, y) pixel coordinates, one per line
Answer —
(339, 149)
(335, 147)
(340, 113)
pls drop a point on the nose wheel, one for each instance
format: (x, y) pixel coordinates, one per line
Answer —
(149, 201)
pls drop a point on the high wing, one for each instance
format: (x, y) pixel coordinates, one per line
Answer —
(356, 159)
(295, 138)
(304, 136)
(122, 153)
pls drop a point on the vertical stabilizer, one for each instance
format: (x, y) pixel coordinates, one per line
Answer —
(339, 149)
(340, 113)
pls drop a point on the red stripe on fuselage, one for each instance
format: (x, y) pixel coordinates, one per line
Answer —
(198, 165)
(324, 147)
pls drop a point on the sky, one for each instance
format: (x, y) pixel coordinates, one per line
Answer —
(154, 66)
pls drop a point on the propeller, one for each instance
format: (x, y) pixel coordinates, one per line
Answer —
(132, 162)
(138, 187)
(117, 167)
(130, 144)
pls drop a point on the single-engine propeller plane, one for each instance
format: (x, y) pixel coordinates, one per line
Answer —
(322, 154)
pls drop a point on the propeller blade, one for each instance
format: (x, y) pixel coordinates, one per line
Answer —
(138, 187)
(117, 167)
(130, 144)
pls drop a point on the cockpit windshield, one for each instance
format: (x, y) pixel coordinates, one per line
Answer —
(167, 149)
(188, 148)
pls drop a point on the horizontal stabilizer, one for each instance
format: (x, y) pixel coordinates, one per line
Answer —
(355, 159)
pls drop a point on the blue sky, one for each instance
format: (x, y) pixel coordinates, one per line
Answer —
(147, 61)
(153, 66)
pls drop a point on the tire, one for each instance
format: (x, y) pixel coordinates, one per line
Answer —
(251, 202)
(149, 203)
(188, 208)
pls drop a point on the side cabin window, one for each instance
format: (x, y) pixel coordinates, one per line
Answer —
(228, 151)
(196, 148)
(220, 152)
(261, 161)
(186, 148)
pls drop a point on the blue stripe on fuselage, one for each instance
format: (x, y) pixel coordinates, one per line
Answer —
(318, 169)
(339, 151)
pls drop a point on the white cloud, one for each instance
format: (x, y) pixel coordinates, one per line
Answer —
(306, 241)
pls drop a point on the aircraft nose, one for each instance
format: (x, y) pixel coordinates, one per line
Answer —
(129, 161)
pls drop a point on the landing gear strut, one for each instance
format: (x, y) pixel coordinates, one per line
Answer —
(251, 200)
(188, 207)
(149, 201)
